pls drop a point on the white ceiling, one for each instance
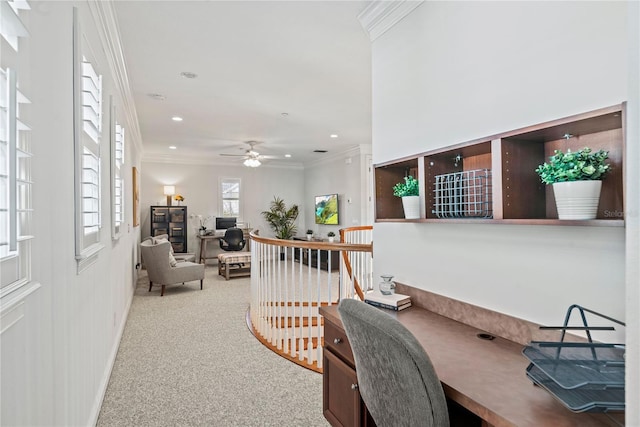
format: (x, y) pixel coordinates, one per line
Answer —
(255, 60)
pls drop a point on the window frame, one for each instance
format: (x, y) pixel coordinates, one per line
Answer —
(16, 190)
(232, 180)
(87, 244)
(118, 144)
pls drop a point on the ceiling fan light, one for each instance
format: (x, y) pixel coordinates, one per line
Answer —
(252, 163)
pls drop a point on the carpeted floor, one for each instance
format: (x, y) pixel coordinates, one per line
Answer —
(188, 359)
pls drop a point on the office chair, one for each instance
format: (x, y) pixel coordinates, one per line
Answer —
(233, 240)
(395, 377)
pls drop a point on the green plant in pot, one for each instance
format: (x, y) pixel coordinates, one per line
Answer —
(281, 219)
(309, 234)
(331, 235)
(576, 178)
(409, 191)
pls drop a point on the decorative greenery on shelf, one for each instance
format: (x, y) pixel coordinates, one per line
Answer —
(309, 231)
(331, 234)
(407, 188)
(583, 165)
(281, 219)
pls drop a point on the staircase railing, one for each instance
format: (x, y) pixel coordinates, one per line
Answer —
(291, 279)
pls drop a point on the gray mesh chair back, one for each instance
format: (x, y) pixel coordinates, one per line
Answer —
(395, 376)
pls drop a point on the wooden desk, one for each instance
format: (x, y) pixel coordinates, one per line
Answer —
(202, 258)
(485, 377)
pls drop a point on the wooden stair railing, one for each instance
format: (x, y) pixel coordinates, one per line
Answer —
(287, 289)
(345, 235)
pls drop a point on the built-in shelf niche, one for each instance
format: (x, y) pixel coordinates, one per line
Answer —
(516, 195)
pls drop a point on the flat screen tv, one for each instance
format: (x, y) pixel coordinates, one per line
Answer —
(327, 209)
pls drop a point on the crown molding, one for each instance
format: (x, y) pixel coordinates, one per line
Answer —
(380, 16)
(104, 17)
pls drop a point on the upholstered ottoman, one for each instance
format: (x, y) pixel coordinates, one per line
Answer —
(234, 264)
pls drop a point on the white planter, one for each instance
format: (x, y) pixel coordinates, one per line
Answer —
(577, 199)
(331, 239)
(411, 205)
(309, 236)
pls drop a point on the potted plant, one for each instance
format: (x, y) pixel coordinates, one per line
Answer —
(576, 178)
(281, 220)
(331, 235)
(309, 234)
(408, 190)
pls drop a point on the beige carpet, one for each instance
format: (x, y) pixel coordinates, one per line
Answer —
(188, 359)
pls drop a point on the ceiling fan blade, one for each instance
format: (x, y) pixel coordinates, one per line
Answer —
(233, 155)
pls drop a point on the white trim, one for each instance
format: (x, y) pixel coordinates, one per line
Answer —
(381, 16)
(88, 256)
(106, 24)
(104, 381)
(17, 297)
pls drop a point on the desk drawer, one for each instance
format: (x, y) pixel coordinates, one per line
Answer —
(336, 340)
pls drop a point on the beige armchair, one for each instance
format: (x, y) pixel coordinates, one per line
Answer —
(163, 270)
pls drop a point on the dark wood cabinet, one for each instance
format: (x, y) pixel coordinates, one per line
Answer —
(317, 258)
(493, 179)
(171, 220)
(342, 404)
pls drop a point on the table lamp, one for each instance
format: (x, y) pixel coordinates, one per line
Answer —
(169, 190)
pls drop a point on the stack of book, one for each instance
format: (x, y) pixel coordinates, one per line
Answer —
(395, 302)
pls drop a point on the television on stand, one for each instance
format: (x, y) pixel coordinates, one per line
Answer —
(326, 209)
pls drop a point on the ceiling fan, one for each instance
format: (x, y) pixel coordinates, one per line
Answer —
(251, 156)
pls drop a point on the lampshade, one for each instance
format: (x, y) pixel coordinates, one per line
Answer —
(169, 190)
(252, 163)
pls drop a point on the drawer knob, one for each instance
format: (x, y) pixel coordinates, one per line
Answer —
(354, 386)
(337, 340)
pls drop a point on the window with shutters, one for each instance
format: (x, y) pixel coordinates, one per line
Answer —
(16, 187)
(117, 174)
(88, 117)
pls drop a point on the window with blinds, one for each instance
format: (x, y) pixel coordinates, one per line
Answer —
(88, 118)
(16, 214)
(230, 191)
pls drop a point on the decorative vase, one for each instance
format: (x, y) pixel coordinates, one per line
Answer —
(309, 236)
(411, 206)
(387, 286)
(577, 199)
(203, 231)
(331, 239)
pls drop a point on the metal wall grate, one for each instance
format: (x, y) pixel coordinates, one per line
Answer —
(464, 194)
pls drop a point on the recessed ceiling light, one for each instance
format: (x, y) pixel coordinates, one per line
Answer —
(176, 119)
(157, 96)
(287, 155)
(188, 75)
(333, 135)
(172, 147)
(284, 114)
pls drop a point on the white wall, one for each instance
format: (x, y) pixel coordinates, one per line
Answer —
(342, 174)
(455, 71)
(56, 359)
(632, 221)
(199, 185)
